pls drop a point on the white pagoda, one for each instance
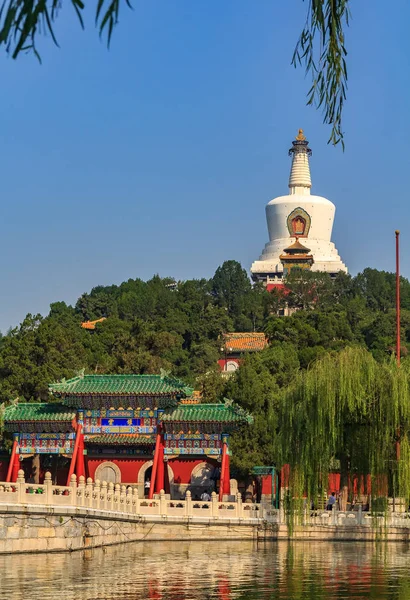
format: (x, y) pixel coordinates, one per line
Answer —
(299, 216)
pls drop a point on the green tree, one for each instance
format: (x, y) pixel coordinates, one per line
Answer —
(36, 353)
(256, 387)
(351, 408)
(230, 285)
(309, 290)
(379, 289)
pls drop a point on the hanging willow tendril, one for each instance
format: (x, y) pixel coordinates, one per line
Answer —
(321, 49)
(348, 410)
(21, 21)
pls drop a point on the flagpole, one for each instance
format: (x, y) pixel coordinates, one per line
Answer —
(397, 232)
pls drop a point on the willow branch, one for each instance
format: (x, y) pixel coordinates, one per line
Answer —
(321, 49)
(21, 21)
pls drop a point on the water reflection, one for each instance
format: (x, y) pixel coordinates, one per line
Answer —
(204, 570)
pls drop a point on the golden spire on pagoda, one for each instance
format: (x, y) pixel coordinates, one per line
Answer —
(300, 137)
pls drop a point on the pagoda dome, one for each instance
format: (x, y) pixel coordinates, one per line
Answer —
(302, 215)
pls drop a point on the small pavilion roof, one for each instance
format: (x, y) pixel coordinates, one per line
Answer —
(120, 385)
(244, 342)
(92, 324)
(207, 413)
(297, 248)
(27, 416)
(38, 411)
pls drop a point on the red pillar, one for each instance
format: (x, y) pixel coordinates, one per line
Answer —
(12, 457)
(227, 476)
(80, 466)
(75, 452)
(155, 463)
(159, 481)
(223, 466)
(16, 468)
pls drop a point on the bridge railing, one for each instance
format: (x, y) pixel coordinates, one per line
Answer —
(121, 499)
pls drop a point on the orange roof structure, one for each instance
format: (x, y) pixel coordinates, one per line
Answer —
(195, 398)
(92, 324)
(244, 342)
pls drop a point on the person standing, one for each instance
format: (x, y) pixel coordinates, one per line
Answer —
(147, 487)
(331, 501)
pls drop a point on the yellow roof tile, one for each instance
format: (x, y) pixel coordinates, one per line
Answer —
(244, 342)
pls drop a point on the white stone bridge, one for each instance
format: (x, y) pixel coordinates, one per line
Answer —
(87, 514)
(46, 517)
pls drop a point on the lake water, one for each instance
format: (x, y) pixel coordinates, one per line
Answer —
(201, 571)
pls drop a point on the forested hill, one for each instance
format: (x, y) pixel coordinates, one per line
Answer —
(177, 326)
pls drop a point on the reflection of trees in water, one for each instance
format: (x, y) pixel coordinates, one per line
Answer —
(212, 570)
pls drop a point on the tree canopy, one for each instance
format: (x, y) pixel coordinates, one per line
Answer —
(177, 326)
(320, 48)
(349, 408)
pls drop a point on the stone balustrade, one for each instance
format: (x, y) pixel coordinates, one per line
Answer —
(104, 496)
(120, 499)
(341, 519)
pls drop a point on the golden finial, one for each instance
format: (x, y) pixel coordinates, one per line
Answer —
(300, 137)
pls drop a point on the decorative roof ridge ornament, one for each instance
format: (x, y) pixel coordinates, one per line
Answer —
(300, 137)
(238, 410)
(164, 374)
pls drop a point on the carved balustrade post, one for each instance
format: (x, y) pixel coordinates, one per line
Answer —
(89, 492)
(214, 504)
(73, 489)
(110, 496)
(97, 494)
(104, 492)
(123, 498)
(81, 491)
(117, 494)
(49, 488)
(162, 503)
(128, 500)
(239, 513)
(136, 500)
(21, 487)
(188, 504)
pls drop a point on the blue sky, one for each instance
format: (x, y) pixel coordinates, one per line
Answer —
(159, 155)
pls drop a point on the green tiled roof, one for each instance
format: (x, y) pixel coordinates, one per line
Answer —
(121, 439)
(120, 385)
(37, 411)
(207, 413)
